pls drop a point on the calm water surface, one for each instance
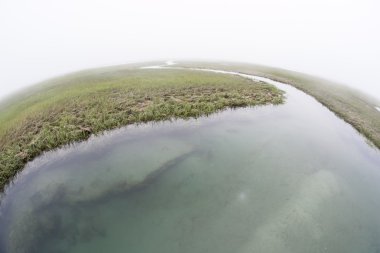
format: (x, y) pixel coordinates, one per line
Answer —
(288, 178)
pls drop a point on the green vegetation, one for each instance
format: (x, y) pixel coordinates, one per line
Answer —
(349, 104)
(71, 108)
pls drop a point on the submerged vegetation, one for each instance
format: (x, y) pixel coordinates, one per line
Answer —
(71, 108)
(351, 105)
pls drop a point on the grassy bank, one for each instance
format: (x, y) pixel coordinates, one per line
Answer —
(351, 105)
(73, 107)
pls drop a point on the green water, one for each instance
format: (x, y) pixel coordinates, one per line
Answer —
(289, 178)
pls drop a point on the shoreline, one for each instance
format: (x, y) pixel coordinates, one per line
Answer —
(140, 96)
(350, 105)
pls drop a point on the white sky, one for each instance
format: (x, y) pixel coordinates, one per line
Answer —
(336, 39)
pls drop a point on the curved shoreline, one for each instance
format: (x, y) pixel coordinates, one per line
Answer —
(137, 96)
(350, 105)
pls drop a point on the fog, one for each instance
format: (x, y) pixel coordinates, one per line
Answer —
(335, 39)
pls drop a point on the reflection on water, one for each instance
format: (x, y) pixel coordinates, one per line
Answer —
(288, 178)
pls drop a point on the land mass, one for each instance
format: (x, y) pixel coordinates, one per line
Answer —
(73, 107)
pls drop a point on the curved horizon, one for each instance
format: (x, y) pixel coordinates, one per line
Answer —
(337, 40)
(4, 97)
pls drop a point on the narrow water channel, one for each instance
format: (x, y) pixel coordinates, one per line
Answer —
(287, 178)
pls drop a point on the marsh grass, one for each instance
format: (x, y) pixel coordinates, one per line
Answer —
(72, 108)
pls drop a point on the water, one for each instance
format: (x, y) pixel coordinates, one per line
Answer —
(287, 178)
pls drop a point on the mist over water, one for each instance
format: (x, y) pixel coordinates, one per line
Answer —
(286, 178)
(336, 39)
